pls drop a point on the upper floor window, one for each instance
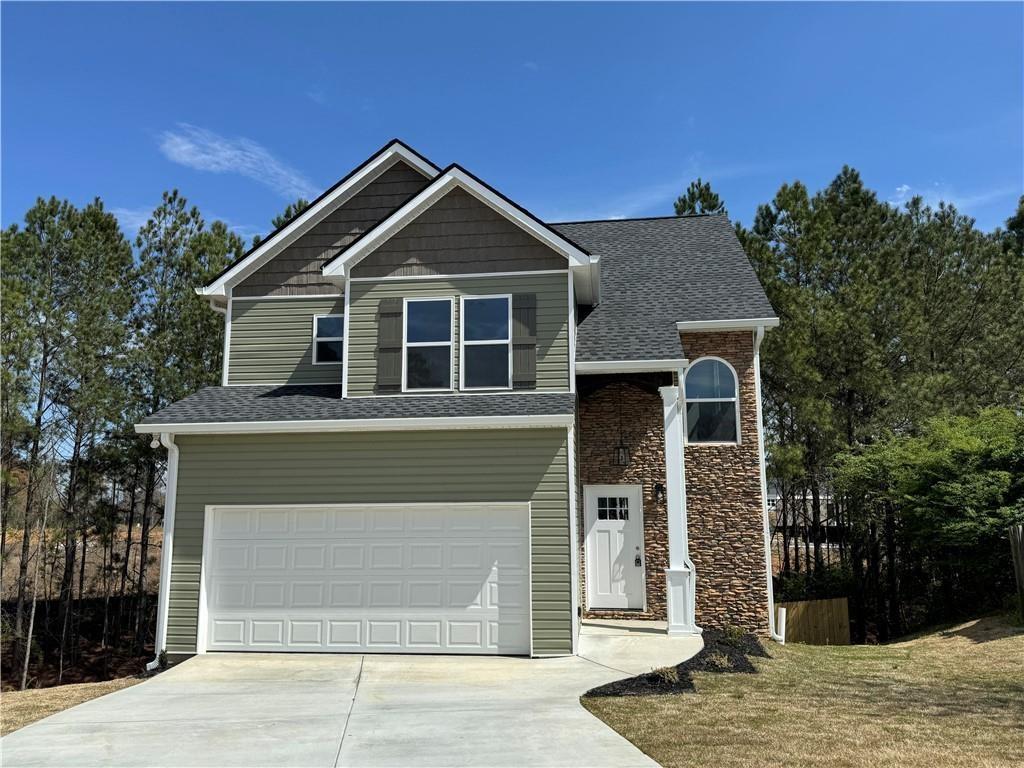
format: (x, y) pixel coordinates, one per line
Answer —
(427, 355)
(712, 402)
(486, 342)
(328, 339)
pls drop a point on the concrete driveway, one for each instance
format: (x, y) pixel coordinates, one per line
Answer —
(327, 710)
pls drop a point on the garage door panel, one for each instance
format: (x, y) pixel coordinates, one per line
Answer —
(417, 578)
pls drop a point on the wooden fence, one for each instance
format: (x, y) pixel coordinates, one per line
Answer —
(818, 622)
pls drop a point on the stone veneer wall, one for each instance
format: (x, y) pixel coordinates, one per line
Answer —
(723, 501)
(643, 431)
(723, 491)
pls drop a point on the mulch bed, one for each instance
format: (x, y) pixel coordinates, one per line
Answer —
(723, 652)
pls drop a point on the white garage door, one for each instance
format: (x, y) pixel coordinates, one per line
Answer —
(431, 578)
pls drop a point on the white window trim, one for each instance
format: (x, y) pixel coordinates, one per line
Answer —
(735, 399)
(328, 338)
(450, 343)
(463, 343)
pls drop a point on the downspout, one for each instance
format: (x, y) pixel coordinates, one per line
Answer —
(226, 311)
(778, 634)
(170, 494)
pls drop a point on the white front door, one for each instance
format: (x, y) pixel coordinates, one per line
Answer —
(613, 516)
(389, 578)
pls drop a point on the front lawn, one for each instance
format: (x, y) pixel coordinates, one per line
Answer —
(21, 708)
(945, 698)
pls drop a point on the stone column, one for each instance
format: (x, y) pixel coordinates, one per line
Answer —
(681, 579)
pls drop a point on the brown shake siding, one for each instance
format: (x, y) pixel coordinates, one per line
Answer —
(296, 271)
(458, 235)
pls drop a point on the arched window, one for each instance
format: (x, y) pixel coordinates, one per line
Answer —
(712, 402)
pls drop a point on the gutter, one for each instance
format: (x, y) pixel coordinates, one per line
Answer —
(778, 633)
(360, 425)
(170, 494)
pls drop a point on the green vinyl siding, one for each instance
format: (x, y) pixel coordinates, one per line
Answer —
(552, 321)
(272, 341)
(512, 465)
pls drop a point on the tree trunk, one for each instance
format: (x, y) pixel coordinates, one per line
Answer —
(875, 582)
(141, 626)
(30, 489)
(70, 548)
(816, 525)
(35, 594)
(784, 511)
(127, 548)
(891, 576)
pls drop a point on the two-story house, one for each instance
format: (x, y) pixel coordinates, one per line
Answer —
(446, 426)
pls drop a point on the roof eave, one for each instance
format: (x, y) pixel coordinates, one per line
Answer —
(358, 425)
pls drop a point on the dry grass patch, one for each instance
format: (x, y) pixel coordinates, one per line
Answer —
(21, 708)
(948, 698)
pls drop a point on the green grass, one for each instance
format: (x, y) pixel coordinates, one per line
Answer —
(944, 698)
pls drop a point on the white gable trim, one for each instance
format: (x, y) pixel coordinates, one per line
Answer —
(450, 179)
(351, 186)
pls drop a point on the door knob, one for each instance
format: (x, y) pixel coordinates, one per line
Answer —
(636, 560)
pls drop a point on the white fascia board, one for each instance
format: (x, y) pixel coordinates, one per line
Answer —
(352, 186)
(453, 177)
(631, 366)
(728, 325)
(357, 425)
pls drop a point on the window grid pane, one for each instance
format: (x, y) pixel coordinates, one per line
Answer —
(428, 322)
(330, 327)
(486, 319)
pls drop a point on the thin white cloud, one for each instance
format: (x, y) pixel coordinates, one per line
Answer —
(317, 96)
(204, 150)
(132, 219)
(533, 66)
(938, 192)
(657, 199)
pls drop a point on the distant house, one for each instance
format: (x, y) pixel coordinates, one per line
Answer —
(447, 426)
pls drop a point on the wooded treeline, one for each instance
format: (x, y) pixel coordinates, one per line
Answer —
(96, 334)
(893, 395)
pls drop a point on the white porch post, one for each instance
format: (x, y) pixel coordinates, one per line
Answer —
(680, 577)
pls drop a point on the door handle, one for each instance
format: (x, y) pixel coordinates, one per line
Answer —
(636, 560)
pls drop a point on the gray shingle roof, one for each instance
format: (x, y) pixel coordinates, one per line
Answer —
(657, 272)
(308, 403)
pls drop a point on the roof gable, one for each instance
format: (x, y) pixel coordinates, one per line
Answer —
(382, 160)
(452, 178)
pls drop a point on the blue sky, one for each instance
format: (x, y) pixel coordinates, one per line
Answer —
(575, 111)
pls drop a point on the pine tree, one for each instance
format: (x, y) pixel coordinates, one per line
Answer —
(699, 198)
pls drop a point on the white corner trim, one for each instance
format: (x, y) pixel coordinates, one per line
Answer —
(728, 325)
(269, 248)
(574, 543)
(344, 347)
(450, 179)
(360, 425)
(777, 634)
(170, 500)
(631, 366)
(572, 336)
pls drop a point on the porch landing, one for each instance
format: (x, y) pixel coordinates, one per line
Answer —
(634, 646)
